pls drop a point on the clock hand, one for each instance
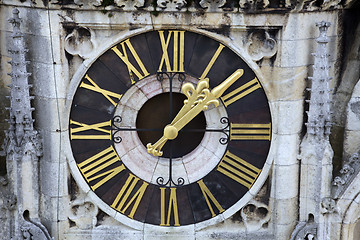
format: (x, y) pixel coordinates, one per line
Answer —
(198, 100)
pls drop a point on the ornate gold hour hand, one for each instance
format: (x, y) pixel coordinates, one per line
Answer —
(197, 100)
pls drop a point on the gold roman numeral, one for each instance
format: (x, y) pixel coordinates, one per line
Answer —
(209, 197)
(94, 87)
(243, 131)
(124, 194)
(172, 208)
(131, 68)
(92, 167)
(212, 61)
(178, 54)
(241, 92)
(238, 169)
(85, 127)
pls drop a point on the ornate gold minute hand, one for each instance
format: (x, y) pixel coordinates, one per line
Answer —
(198, 100)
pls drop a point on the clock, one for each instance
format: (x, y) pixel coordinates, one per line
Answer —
(169, 128)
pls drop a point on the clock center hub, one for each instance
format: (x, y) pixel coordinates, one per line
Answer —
(170, 132)
(154, 118)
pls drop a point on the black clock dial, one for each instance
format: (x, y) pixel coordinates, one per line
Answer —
(132, 92)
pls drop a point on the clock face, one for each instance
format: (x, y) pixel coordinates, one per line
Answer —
(170, 128)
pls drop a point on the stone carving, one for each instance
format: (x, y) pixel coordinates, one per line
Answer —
(129, 5)
(26, 233)
(261, 45)
(304, 231)
(83, 213)
(250, 6)
(315, 150)
(212, 5)
(88, 2)
(347, 174)
(34, 230)
(319, 115)
(255, 214)
(328, 205)
(253, 6)
(80, 42)
(171, 5)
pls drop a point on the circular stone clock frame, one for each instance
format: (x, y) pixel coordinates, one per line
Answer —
(120, 80)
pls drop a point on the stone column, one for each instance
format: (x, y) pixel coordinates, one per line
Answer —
(22, 146)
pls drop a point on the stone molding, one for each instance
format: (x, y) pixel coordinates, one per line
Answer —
(243, 6)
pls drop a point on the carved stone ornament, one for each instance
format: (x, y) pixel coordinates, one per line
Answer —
(328, 205)
(255, 214)
(129, 5)
(305, 231)
(346, 175)
(88, 2)
(171, 5)
(83, 213)
(261, 45)
(212, 5)
(80, 42)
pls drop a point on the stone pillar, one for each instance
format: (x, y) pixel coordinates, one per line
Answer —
(315, 150)
(22, 146)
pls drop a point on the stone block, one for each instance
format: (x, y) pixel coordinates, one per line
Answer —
(44, 83)
(295, 53)
(306, 22)
(53, 148)
(285, 84)
(287, 116)
(285, 211)
(50, 205)
(286, 150)
(173, 233)
(283, 231)
(36, 22)
(286, 182)
(351, 142)
(39, 48)
(54, 178)
(47, 113)
(353, 114)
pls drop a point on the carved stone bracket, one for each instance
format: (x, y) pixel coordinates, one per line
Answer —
(260, 45)
(255, 214)
(346, 175)
(328, 205)
(304, 231)
(80, 42)
(129, 5)
(212, 5)
(83, 213)
(171, 5)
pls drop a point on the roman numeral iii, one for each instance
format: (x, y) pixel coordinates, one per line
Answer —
(178, 51)
(244, 131)
(238, 169)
